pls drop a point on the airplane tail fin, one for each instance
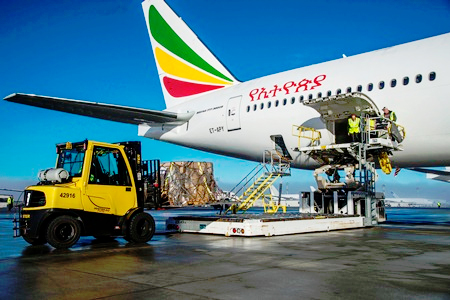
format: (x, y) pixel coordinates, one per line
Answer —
(186, 67)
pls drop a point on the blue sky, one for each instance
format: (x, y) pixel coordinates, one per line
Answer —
(100, 51)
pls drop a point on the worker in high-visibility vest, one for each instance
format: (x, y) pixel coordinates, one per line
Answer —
(10, 203)
(388, 114)
(353, 127)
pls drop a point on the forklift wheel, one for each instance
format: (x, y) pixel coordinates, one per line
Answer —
(34, 241)
(142, 228)
(63, 232)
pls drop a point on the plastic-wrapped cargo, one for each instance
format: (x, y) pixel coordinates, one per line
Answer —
(188, 183)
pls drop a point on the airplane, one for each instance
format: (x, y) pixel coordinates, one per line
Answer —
(440, 175)
(396, 201)
(208, 109)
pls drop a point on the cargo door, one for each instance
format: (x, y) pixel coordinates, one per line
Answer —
(233, 109)
(335, 110)
(340, 107)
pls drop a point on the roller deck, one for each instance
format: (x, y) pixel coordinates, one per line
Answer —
(250, 225)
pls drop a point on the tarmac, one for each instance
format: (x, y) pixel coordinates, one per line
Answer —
(392, 261)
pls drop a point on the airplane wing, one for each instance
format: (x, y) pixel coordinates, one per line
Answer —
(441, 175)
(123, 114)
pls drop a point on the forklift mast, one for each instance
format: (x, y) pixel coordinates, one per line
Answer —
(146, 174)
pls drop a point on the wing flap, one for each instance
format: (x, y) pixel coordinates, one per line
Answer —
(431, 171)
(117, 113)
(440, 175)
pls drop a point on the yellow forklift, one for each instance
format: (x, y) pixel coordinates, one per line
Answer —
(96, 189)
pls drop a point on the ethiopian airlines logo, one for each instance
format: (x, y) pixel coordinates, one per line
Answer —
(186, 73)
(286, 88)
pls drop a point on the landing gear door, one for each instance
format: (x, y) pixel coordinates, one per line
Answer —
(233, 109)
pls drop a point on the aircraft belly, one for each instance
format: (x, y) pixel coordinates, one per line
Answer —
(423, 151)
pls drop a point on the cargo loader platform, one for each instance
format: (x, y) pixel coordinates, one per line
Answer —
(251, 225)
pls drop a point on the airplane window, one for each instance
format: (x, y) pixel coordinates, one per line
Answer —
(418, 78)
(370, 87)
(319, 95)
(269, 104)
(432, 76)
(329, 93)
(405, 81)
(248, 108)
(292, 100)
(301, 99)
(276, 103)
(381, 85)
(393, 82)
(284, 101)
(349, 90)
(310, 96)
(254, 107)
(338, 91)
(359, 88)
(262, 105)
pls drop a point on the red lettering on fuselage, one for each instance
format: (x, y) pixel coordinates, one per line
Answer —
(288, 87)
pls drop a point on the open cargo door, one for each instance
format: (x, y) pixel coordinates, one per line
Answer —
(335, 110)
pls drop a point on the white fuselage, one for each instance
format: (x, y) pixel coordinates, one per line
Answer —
(243, 129)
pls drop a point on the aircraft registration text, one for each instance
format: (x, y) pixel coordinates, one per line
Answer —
(216, 129)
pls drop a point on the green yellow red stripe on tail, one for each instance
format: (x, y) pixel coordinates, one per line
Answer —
(186, 67)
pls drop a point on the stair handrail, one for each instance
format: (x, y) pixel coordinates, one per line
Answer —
(279, 164)
(260, 189)
(259, 167)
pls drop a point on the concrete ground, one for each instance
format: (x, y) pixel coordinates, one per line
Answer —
(388, 262)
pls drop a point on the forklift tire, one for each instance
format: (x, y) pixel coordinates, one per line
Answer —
(142, 228)
(34, 241)
(63, 232)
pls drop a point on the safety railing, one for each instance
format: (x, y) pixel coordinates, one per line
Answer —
(277, 163)
(302, 132)
(380, 127)
(254, 173)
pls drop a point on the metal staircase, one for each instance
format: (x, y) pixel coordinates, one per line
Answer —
(274, 167)
(255, 192)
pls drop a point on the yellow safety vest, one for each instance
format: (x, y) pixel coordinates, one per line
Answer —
(353, 126)
(371, 125)
(392, 116)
